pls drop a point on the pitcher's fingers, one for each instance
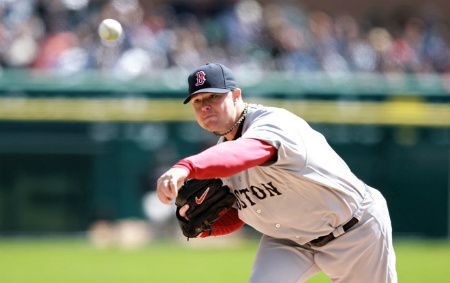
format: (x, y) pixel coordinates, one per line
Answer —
(163, 192)
(163, 198)
(183, 211)
(173, 188)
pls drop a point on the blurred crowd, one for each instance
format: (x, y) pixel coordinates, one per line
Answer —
(61, 35)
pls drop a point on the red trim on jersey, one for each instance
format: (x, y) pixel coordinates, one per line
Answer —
(226, 224)
(227, 158)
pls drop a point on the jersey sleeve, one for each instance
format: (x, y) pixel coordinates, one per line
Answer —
(283, 130)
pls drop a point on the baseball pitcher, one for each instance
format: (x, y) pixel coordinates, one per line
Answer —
(272, 171)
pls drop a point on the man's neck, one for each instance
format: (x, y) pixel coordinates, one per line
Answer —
(231, 133)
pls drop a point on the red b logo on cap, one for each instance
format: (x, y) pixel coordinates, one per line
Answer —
(201, 78)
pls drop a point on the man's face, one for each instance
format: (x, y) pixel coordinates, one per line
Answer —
(215, 112)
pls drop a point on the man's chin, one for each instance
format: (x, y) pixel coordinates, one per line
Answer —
(208, 128)
(213, 130)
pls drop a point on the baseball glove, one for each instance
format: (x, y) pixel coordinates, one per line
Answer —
(207, 199)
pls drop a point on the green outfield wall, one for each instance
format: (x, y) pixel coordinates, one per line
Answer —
(79, 148)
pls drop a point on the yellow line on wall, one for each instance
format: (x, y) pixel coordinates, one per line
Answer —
(70, 109)
(143, 110)
(413, 113)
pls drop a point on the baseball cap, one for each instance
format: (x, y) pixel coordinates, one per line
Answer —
(211, 77)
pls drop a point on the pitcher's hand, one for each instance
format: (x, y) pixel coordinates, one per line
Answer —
(169, 183)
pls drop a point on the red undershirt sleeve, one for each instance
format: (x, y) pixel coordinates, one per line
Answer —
(226, 224)
(228, 158)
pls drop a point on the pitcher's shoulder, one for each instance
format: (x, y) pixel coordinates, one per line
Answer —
(257, 110)
(260, 109)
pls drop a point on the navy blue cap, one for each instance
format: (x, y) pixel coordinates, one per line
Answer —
(211, 77)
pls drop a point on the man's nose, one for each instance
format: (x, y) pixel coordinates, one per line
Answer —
(206, 106)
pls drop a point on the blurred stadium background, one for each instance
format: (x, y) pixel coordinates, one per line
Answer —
(86, 126)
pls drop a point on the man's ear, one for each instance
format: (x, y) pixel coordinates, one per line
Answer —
(236, 93)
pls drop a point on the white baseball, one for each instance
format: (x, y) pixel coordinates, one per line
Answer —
(110, 30)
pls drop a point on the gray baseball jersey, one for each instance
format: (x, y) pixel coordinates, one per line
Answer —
(306, 193)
